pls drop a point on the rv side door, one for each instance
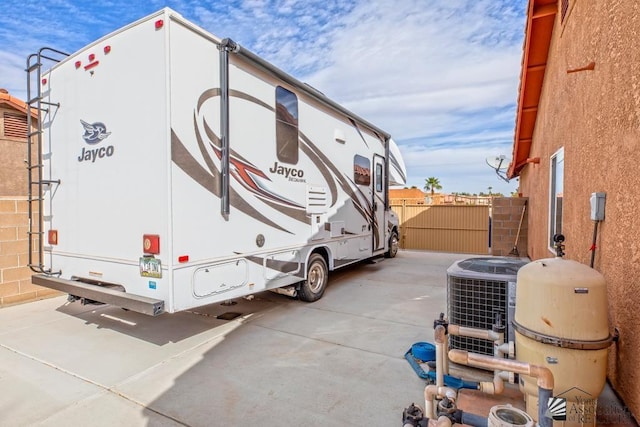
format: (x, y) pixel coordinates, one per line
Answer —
(378, 227)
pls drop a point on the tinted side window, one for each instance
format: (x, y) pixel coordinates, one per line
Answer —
(379, 178)
(286, 125)
(361, 170)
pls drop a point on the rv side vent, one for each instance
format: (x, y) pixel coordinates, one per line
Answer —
(477, 290)
(317, 200)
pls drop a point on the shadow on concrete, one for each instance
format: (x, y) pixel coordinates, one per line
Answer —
(172, 327)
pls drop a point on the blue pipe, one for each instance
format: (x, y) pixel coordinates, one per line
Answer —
(449, 381)
(543, 399)
(474, 420)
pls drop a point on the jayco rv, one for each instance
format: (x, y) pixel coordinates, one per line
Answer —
(176, 169)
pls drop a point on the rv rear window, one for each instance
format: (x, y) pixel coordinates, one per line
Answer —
(286, 125)
(361, 170)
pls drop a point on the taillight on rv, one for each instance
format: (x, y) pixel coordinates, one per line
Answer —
(151, 244)
(52, 237)
(159, 24)
(107, 49)
(44, 81)
(78, 64)
(92, 57)
(183, 258)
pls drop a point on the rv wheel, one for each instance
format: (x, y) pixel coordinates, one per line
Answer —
(393, 245)
(317, 277)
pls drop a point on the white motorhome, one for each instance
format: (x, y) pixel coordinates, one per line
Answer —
(175, 169)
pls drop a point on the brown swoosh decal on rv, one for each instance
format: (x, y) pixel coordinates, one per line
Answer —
(355, 125)
(299, 213)
(314, 153)
(185, 161)
(329, 171)
(213, 92)
(286, 267)
(210, 180)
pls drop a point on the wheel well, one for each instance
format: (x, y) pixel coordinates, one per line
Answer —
(324, 252)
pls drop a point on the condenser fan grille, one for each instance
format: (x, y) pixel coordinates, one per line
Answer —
(492, 265)
(474, 303)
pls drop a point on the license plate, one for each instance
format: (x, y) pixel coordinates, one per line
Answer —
(150, 267)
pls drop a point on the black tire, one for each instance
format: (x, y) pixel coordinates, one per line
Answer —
(393, 245)
(317, 278)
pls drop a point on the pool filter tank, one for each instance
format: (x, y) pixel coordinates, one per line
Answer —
(561, 323)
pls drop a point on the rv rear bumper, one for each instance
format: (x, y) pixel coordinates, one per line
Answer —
(137, 303)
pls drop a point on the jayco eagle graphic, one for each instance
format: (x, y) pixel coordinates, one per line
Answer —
(94, 133)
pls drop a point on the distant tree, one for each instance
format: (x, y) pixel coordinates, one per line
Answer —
(432, 184)
(413, 186)
(490, 188)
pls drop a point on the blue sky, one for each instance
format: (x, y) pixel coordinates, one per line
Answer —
(441, 76)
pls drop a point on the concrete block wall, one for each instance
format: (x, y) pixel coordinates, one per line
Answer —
(15, 276)
(505, 219)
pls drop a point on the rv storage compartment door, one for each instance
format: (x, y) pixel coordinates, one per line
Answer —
(218, 278)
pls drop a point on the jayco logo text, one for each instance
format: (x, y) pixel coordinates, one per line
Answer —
(292, 173)
(93, 134)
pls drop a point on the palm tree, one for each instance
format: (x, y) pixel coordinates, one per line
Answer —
(432, 184)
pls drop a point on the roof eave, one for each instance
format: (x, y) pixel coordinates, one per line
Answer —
(15, 103)
(541, 16)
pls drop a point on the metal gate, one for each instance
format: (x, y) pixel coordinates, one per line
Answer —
(444, 228)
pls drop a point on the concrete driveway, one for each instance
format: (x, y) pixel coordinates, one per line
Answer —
(281, 362)
(336, 362)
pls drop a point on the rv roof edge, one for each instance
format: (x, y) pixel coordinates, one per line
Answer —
(308, 89)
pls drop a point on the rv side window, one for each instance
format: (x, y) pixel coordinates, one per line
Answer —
(378, 178)
(361, 170)
(286, 125)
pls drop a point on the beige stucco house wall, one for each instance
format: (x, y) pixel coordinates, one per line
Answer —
(590, 105)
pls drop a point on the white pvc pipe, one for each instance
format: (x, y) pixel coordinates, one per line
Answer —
(439, 338)
(431, 392)
(445, 356)
(443, 422)
(508, 348)
(464, 331)
(493, 387)
(543, 374)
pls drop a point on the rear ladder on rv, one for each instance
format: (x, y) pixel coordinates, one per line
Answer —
(41, 109)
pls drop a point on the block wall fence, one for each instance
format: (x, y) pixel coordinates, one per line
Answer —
(15, 276)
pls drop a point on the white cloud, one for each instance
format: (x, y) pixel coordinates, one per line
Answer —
(421, 72)
(440, 76)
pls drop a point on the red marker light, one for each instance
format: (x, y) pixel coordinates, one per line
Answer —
(183, 258)
(107, 49)
(78, 64)
(92, 57)
(52, 237)
(159, 24)
(91, 65)
(151, 244)
(44, 81)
